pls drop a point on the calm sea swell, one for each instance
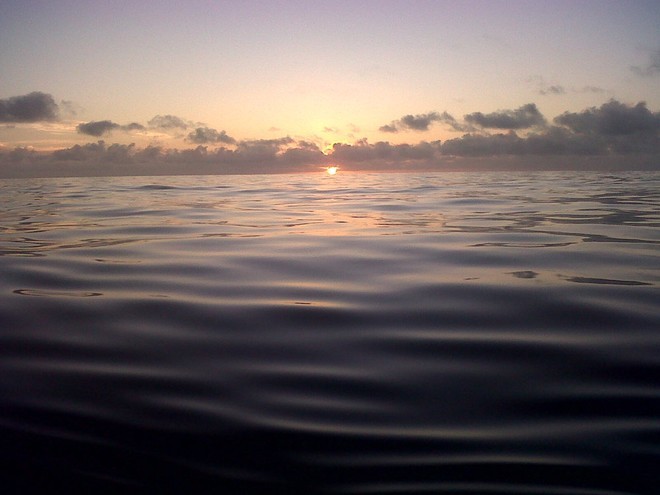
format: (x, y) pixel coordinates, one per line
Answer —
(363, 333)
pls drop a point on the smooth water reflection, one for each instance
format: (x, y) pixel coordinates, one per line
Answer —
(361, 333)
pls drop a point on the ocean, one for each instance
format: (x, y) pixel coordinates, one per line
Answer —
(364, 333)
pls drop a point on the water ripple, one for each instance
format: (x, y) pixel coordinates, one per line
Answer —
(433, 333)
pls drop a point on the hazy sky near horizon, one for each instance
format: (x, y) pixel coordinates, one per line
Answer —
(307, 75)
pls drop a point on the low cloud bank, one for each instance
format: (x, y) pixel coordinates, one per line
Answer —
(612, 128)
(612, 136)
(100, 158)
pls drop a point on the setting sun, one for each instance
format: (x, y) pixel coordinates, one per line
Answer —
(332, 170)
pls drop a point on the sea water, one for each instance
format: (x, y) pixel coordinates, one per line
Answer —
(362, 333)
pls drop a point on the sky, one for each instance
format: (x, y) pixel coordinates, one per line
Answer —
(121, 87)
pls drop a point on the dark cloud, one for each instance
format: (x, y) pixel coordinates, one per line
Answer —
(99, 153)
(303, 152)
(651, 68)
(560, 141)
(388, 128)
(453, 123)
(613, 136)
(613, 128)
(133, 126)
(249, 156)
(119, 153)
(78, 153)
(480, 145)
(100, 127)
(622, 128)
(612, 119)
(260, 150)
(421, 122)
(18, 155)
(97, 128)
(382, 152)
(269, 155)
(522, 118)
(33, 107)
(149, 154)
(169, 122)
(553, 141)
(206, 135)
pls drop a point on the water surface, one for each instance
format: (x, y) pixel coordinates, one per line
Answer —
(362, 333)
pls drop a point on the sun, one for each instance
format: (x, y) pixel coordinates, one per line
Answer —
(332, 170)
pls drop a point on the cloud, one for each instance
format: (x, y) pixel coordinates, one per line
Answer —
(613, 128)
(382, 152)
(133, 126)
(453, 123)
(18, 155)
(480, 145)
(546, 89)
(100, 127)
(615, 135)
(388, 128)
(97, 128)
(251, 156)
(622, 128)
(70, 109)
(206, 135)
(651, 68)
(33, 107)
(421, 122)
(612, 119)
(522, 118)
(259, 150)
(553, 141)
(169, 122)
(561, 141)
(79, 153)
(303, 152)
(555, 89)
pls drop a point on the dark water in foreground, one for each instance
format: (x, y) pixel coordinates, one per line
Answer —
(362, 334)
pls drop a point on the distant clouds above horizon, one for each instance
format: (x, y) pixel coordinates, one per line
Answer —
(613, 128)
(287, 86)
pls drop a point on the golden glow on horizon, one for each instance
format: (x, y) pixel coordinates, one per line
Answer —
(332, 170)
